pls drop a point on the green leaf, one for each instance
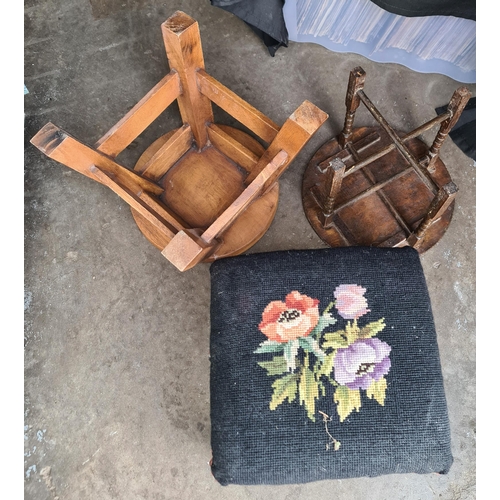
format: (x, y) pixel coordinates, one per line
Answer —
(276, 366)
(347, 400)
(332, 381)
(377, 390)
(334, 340)
(324, 320)
(352, 332)
(308, 392)
(269, 346)
(322, 387)
(327, 365)
(371, 329)
(284, 388)
(309, 344)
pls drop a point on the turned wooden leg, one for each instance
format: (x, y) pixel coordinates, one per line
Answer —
(457, 104)
(334, 175)
(356, 83)
(439, 205)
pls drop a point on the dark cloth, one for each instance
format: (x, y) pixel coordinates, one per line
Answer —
(422, 8)
(405, 430)
(265, 17)
(463, 134)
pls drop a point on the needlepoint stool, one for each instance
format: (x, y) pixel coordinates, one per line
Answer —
(324, 365)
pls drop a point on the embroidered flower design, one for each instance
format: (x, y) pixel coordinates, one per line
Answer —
(308, 357)
(289, 320)
(288, 326)
(351, 303)
(362, 363)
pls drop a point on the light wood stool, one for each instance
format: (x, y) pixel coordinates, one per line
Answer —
(374, 186)
(202, 191)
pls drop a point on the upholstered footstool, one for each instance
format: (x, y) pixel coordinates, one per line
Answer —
(324, 365)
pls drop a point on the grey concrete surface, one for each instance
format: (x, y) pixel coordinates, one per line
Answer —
(116, 339)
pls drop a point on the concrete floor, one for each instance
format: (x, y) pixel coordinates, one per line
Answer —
(116, 339)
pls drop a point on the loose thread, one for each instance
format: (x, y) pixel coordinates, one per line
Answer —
(334, 443)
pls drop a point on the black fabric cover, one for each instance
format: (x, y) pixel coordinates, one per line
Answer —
(397, 422)
(422, 8)
(265, 17)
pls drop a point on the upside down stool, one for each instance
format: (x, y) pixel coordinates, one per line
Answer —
(378, 186)
(205, 190)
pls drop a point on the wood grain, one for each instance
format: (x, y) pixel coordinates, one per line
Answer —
(361, 214)
(140, 116)
(168, 154)
(181, 36)
(292, 137)
(62, 147)
(244, 112)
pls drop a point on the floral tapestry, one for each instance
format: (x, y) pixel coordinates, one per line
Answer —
(350, 359)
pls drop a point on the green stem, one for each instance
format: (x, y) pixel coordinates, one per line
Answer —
(328, 307)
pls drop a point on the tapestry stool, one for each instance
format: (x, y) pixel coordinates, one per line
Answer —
(324, 364)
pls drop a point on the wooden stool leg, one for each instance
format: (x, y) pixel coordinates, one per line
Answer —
(187, 248)
(457, 104)
(335, 173)
(292, 137)
(181, 36)
(439, 205)
(62, 147)
(356, 83)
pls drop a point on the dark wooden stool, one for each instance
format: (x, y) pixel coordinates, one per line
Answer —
(203, 191)
(375, 186)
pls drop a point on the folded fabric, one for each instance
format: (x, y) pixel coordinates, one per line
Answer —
(265, 17)
(324, 365)
(414, 8)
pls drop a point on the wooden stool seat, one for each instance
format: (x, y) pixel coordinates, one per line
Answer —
(203, 191)
(363, 217)
(186, 194)
(375, 186)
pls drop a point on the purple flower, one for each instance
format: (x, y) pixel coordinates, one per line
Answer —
(350, 301)
(361, 363)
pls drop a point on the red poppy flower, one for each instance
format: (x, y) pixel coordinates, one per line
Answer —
(289, 320)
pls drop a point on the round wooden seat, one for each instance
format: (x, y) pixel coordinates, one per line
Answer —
(376, 186)
(384, 217)
(201, 185)
(202, 191)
